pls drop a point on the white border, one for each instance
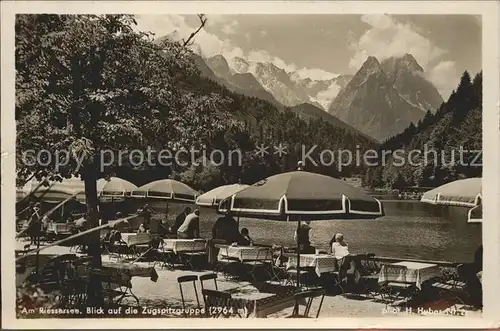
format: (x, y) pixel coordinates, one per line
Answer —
(491, 234)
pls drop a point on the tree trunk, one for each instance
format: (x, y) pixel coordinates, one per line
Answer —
(92, 240)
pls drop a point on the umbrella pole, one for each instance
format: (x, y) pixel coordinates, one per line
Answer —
(38, 247)
(298, 254)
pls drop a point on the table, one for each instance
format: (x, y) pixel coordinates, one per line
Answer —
(415, 272)
(245, 253)
(322, 263)
(184, 245)
(125, 236)
(268, 300)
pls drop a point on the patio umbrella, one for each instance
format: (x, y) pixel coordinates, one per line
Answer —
(114, 189)
(59, 191)
(24, 191)
(166, 189)
(301, 195)
(213, 197)
(462, 193)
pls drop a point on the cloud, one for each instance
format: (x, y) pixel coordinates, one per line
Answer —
(324, 98)
(387, 37)
(444, 77)
(211, 45)
(230, 28)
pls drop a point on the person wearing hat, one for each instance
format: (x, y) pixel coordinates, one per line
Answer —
(300, 166)
(190, 229)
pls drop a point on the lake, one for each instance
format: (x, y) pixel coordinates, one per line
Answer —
(410, 229)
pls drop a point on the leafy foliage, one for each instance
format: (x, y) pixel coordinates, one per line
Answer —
(89, 83)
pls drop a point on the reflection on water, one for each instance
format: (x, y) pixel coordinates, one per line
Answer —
(410, 229)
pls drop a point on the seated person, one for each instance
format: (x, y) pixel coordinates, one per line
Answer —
(141, 229)
(346, 262)
(190, 229)
(226, 228)
(245, 239)
(163, 228)
(338, 247)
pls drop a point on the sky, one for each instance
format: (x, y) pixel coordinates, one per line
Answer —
(324, 46)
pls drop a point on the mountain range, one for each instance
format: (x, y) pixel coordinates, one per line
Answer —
(382, 99)
(379, 101)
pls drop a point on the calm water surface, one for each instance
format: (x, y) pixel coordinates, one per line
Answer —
(410, 229)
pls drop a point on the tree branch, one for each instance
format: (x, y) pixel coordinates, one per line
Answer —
(203, 21)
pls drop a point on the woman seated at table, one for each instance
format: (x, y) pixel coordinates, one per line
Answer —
(346, 261)
(338, 247)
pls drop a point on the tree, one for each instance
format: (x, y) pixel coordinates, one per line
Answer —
(87, 84)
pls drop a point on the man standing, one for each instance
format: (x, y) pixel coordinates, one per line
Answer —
(190, 229)
(34, 224)
(180, 219)
(303, 238)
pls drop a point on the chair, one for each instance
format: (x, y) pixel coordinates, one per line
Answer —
(185, 279)
(190, 254)
(452, 286)
(166, 257)
(262, 259)
(224, 261)
(368, 283)
(139, 242)
(217, 303)
(396, 289)
(209, 276)
(277, 270)
(308, 296)
(51, 276)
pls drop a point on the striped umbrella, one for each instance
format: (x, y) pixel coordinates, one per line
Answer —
(213, 197)
(302, 195)
(166, 189)
(116, 187)
(59, 191)
(24, 191)
(462, 193)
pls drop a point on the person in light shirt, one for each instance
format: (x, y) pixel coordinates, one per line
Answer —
(339, 247)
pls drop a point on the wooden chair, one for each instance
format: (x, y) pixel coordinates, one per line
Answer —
(225, 262)
(259, 262)
(368, 283)
(308, 296)
(217, 303)
(190, 255)
(209, 276)
(139, 243)
(452, 286)
(292, 275)
(395, 290)
(186, 279)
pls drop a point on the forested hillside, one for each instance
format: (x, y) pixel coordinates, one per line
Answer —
(75, 93)
(455, 127)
